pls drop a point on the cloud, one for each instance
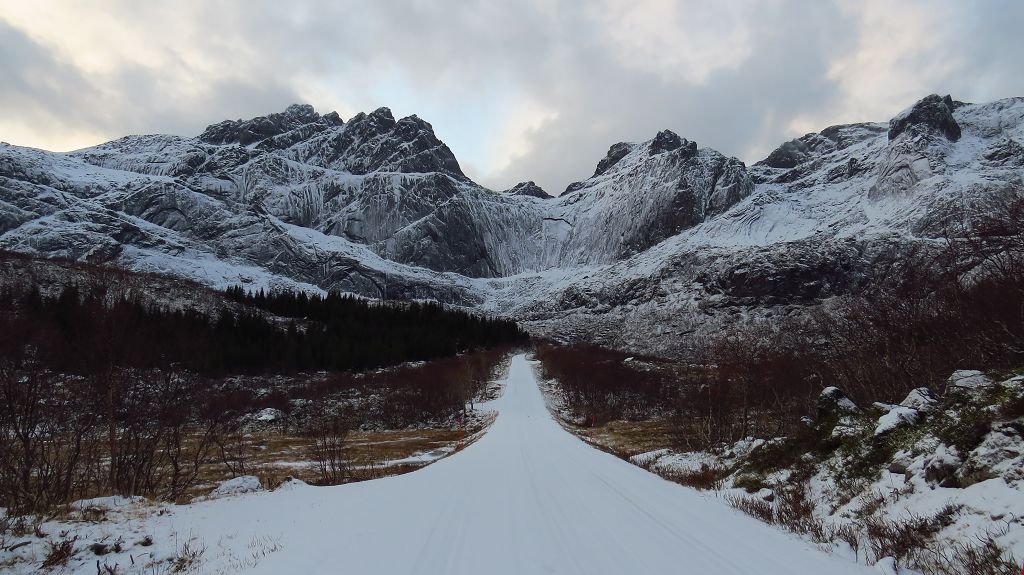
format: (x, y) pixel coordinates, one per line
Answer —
(534, 89)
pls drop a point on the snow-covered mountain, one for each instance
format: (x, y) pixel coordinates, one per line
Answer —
(663, 241)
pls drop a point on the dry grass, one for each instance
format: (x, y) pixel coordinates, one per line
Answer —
(274, 457)
(626, 438)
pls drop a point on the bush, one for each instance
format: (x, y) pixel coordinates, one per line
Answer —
(707, 477)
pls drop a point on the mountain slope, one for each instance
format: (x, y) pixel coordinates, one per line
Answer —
(664, 242)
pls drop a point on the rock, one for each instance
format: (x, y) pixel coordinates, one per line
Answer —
(666, 141)
(969, 381)
(920, 399)
(238, 486)
(1014, 384)
(615, 153)
(246, 132)
(766, 494)
(941, 468)
(897, 417)
(901, 462)
(1000, 454)
(932, 112)
(832, 401)
(795, 152)
(1007, 152)
(788, 155)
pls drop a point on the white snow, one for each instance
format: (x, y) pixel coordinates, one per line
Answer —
(237, 486)
(269, 414)
(527, 498)
(109, 502)
(898, 416)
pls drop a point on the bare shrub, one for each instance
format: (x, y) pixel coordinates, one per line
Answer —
(706, 477)
(58, 553)
(983, 556)
(186, 556)
(328, 434)
(753, 506)
(902, 539)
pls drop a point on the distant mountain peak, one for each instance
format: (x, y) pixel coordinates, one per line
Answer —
(528, 189)
(246, 132)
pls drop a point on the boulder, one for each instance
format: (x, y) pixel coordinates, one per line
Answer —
(920, 399)
(833, 401)
(897, 417)
(968, 381)
(941, 468)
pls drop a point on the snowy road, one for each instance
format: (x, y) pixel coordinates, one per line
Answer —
(527, 498)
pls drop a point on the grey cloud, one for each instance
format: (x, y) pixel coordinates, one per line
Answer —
(555, 54)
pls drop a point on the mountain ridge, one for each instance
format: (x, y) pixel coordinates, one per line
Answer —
(664, 238)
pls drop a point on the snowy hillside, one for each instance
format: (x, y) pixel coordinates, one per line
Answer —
(664, 233)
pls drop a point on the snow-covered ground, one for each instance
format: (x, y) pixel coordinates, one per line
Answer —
(526, 498)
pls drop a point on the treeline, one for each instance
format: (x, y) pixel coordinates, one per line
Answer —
(160, 432)
(347, 332)
(109, 395)
(83, 333)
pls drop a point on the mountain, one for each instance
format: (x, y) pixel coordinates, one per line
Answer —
(663, 243)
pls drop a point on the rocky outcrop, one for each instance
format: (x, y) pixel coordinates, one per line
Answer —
(246, 132)
(930, 113)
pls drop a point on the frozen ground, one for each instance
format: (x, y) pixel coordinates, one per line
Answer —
(526, 498)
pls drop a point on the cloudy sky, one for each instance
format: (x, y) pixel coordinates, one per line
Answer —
(519, 90)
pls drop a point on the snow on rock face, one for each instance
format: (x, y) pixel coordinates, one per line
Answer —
(833, 401)
(969, 380)
(1000, 454)
(919, 399)
(846, 427)
(940, 467)
(898, 416)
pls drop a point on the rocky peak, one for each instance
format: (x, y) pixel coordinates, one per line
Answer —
(528, 189)
(376, 141)
(615, 153)
(245, 132)
(382, 116)
(665, 141)
(931, 112)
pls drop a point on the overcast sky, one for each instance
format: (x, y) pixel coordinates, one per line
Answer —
(519, 90)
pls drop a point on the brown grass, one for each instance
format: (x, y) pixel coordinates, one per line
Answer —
(277, 456)
(629, 438)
